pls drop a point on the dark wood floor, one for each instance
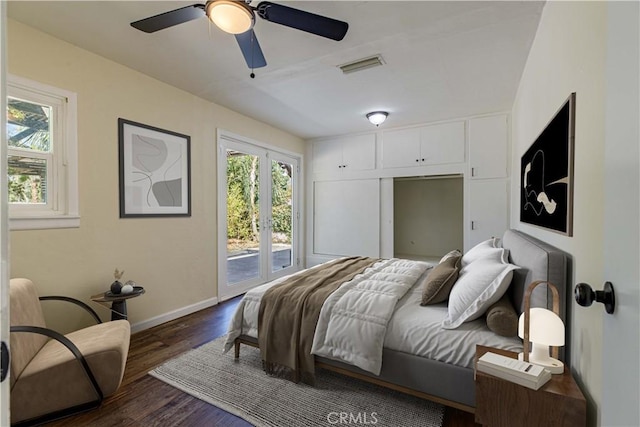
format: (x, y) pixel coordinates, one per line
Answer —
(145, 401)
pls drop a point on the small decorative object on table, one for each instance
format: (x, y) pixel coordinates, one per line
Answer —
(116, 287)
(128, 287)
(523, 373)
(117, 295)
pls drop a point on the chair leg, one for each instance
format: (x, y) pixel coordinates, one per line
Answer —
(237, 350)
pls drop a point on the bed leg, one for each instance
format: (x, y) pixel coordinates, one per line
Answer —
(237, 350)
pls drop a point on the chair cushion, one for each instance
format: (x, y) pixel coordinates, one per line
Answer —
(55, 380)
(25, 310)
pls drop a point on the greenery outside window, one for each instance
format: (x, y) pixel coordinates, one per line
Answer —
(42, 156)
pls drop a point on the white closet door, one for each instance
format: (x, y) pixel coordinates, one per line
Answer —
(488, 210)
(347, 217)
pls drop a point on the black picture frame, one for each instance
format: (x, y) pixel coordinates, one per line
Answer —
(546, 174)
(155, 174)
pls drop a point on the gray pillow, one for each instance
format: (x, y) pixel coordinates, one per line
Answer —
(455, 252)
(502, 318)
(440, 280)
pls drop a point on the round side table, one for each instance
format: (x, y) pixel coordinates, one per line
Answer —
(117, 303)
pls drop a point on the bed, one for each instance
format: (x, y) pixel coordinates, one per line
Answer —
(440, 366)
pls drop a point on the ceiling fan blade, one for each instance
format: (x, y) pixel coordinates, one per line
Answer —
(251, 49)
(169, 19)
(304, 21)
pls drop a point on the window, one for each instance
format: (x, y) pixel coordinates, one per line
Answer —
(42, 156)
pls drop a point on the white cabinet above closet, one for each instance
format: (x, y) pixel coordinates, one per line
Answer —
(352, 153)
(488, 142)
(426, 145)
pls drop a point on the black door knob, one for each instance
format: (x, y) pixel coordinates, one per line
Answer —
(585, 296)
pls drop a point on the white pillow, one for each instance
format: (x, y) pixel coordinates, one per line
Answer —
(479, 285)
(489, 248)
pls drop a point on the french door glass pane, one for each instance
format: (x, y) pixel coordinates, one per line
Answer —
(281, 214)
(243, 216)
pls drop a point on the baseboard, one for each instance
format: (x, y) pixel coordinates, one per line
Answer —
(172, 315)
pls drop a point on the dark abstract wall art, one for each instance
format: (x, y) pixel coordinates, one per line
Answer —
(155, 178)
(546, 174)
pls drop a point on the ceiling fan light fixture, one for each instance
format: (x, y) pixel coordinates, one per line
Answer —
(234, 17)
(377, 117)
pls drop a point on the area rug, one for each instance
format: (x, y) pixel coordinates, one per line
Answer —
(243, 389)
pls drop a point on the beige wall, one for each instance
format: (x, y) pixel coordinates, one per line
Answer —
(568, 55)
(427, 216)
(174, 258)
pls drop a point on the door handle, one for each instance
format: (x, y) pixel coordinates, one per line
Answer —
(4, 362)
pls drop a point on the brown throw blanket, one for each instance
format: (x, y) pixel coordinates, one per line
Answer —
(289, 313)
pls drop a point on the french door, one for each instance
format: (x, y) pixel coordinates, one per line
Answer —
(258, 215)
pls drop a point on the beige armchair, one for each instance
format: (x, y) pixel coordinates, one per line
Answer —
(55, 375)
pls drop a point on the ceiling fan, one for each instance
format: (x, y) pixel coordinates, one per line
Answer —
(238, 17)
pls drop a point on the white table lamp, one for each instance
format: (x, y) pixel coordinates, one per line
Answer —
(544, 329)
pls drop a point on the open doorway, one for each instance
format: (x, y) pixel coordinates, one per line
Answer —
(428, 216)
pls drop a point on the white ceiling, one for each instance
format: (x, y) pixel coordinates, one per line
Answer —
(443, 59)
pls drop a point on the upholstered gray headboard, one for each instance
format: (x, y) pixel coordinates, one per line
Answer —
(539, 261)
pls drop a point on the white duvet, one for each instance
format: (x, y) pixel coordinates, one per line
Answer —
(380, 308)
(353, 320)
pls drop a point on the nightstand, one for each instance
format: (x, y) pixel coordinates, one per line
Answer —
(503, 403)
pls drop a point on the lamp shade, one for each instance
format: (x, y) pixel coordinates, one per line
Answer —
(231, 16)
(545, 327)
(377, 117)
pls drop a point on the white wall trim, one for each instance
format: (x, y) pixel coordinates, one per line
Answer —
(172, 315)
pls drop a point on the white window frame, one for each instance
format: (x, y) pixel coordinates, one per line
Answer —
(61, 209)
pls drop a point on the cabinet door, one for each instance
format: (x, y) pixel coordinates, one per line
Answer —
(401, 148)
(346, 217)
(327, 156)
(327, 216)
(359, 152)
(488, 210)
(488, 142)
(443, 143)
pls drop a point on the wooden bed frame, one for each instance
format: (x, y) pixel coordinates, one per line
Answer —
(452, 385)
(320, 363)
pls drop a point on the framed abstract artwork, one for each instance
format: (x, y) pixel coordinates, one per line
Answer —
(546, 174)
(155, 176)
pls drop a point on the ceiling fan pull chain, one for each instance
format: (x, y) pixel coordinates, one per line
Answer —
(253, 39)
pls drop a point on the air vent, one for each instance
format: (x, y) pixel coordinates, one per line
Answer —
(362, 64)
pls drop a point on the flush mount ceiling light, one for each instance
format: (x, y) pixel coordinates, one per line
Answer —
(377, 117)
(233, 17)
